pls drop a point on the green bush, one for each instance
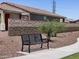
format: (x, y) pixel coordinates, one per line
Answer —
(51, 27)
(57, 27)
(46, 28)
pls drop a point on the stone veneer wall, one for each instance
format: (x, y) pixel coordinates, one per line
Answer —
(17, 31)
(19, 27)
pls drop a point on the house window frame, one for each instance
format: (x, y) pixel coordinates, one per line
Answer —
(45, 17)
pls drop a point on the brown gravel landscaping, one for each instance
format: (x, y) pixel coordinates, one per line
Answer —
(10, 45)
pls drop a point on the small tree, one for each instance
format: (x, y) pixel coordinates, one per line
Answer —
(51, 27)
(46, 28)
(57, 27)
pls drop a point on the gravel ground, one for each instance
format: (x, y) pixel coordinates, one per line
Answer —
(10, 45)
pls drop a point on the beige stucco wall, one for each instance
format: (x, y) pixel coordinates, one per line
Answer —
(8, 7)
(2, 17)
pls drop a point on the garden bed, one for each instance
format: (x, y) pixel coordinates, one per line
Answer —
(10, 45)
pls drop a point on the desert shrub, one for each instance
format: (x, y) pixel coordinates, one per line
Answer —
(51, 27)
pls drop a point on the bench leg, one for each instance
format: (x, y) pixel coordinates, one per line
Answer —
(29, 48)
(41, 45)
(22, 48)
(48, 45)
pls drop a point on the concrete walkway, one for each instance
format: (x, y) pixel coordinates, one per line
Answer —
(57, 53)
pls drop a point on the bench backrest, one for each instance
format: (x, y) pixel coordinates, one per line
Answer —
(31, 39)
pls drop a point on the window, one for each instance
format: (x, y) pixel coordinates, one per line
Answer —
(45, 18)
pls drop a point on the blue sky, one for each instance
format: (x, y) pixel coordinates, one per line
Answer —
(68, 8)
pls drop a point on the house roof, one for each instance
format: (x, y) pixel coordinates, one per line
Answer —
(33, 10)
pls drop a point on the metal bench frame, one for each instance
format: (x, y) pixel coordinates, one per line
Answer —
(29, 42)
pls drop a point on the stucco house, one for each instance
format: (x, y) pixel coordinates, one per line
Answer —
(11, 14)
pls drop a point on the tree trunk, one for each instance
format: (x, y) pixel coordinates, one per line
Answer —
(55, 35)
(48, 36)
